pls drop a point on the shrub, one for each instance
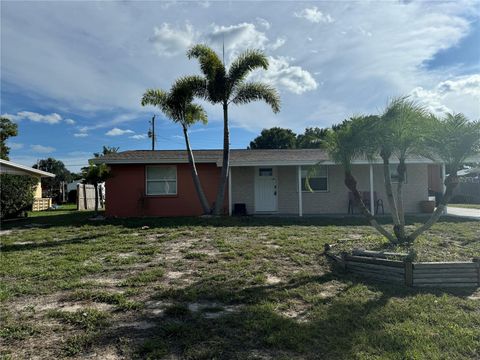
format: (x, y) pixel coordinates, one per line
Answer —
(16, 193)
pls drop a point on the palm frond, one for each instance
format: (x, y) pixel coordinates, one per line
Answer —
(454, 139)
(210, 63)
(246, 62)
(155, 97)
(254, 91)
(195, 113)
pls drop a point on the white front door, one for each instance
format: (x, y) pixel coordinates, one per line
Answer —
(265, 189)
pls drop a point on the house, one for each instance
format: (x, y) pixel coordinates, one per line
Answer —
(159, 183)
(39, 203)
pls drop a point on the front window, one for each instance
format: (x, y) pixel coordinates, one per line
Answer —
(161, 180)
(317, 178)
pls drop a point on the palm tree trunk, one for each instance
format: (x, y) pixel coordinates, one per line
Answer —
(351, 184)
(225, 165)
(195, 177)
(388, 189)
(400, 228)
(451, 183)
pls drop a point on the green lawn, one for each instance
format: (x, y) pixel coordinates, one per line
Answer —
(466, 206)
(222, 288)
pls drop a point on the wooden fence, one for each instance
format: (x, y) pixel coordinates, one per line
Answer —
(40, 204)
(413, 274)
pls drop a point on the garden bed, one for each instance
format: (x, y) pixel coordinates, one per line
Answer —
(380, 266)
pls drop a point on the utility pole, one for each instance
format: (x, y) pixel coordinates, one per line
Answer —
(151, 132)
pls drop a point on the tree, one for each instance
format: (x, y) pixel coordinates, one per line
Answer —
(220, 85)
(312, 138)
(107, 150)
(94, 175)
(404, 129)
(52, 185)
(274, 138)
(453, 139)
(177, 105)
(16, 194)
(7, 129)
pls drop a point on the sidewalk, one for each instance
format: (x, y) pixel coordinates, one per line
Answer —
(462, 212)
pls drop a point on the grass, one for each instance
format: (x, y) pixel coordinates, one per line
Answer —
(222, 288)
(466, 206)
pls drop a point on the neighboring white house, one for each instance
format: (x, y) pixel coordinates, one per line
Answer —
(39, 203)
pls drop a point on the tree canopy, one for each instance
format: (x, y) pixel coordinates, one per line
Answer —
(281, 138)
(7, 129)
(57, 167)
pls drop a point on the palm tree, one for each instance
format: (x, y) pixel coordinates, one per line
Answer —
(453, 139)
(177, 105)
(405, 130)
(344, 143)
(399, 132)
(225, 86)
(94, 175)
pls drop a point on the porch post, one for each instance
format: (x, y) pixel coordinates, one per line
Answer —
(229, 191)
(300, 206)
(372, 198)
(443, 185)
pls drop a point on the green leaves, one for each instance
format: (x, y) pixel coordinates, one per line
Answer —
(177, 104)
(252, 91)
(245, 63)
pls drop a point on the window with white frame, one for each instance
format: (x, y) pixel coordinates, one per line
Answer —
(317, 178)
(394, 173)
(161, 180)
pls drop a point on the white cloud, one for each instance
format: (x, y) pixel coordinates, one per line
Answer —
(283, 75)
(52, 118)
(237, 37)
(70, 121)
(452, 95)
(278, 43)
(118, 132)
(170, 42)
(81, 134)
(138, 136)
(314, 15)
(15, 146)
(42, 149)
(264, 23)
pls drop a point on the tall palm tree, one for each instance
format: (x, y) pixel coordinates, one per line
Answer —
(177, 105)
(226, 86)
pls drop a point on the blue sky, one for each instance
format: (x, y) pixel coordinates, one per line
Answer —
(73, 73)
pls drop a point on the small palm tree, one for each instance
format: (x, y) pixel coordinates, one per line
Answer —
(225, 86)
(453, 139)
(344, 143)
(177, 105)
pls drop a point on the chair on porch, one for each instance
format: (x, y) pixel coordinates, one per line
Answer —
(366, 200)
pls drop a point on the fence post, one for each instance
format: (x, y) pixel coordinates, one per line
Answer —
(408, 273)
(477, 261)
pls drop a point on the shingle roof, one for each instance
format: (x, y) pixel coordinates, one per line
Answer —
(238, 157)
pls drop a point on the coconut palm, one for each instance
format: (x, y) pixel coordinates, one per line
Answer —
(453, 139)
(229, 86)
(177, 105)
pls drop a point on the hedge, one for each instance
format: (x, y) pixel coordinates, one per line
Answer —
(16, 194)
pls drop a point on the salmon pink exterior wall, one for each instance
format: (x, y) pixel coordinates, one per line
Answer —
(126, 192)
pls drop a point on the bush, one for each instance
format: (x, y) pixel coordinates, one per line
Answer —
(16, 194)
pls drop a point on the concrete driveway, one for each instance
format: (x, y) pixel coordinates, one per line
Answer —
(462, 212)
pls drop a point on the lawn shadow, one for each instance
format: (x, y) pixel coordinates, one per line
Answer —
(46, 244)
(336, 329)
(80, 218)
